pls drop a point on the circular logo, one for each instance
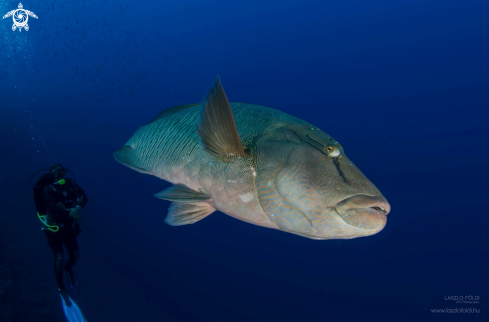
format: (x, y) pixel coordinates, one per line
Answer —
(20, 17)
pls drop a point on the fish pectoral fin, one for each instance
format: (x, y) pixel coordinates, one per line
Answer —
(181, 193)
(181, 213)
(125, 156)
(217, 128)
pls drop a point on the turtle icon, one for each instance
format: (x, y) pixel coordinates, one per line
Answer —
(20, 17)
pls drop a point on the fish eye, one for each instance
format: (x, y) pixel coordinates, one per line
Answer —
(333, 151)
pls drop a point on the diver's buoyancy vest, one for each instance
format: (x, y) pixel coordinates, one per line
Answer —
(41, 205)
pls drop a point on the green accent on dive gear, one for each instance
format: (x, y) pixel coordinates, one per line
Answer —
(42, 218)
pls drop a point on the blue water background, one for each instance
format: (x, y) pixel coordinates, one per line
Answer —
(402, 85)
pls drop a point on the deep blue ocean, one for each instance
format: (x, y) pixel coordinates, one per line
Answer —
(402, 85)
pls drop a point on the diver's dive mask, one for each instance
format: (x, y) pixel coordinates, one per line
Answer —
(59, 172)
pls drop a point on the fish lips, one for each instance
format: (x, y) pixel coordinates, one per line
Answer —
(363, 211)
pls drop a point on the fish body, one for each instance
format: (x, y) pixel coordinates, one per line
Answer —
(258, 165)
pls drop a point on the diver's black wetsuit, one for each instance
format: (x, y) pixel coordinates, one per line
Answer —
(59, 200)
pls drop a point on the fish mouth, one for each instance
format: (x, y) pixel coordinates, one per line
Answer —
(363, 211)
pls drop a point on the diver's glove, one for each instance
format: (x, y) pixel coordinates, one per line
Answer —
(75, 213)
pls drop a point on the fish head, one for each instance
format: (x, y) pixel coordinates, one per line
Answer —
(306, 185)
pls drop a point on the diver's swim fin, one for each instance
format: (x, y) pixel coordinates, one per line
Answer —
(73, 312)
(73, 284)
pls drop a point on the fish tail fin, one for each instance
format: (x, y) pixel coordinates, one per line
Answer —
(125, 156)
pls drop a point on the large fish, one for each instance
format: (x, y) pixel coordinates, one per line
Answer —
(256, 164)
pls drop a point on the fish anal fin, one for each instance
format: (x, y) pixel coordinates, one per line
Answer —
(125, 156)
(181, 213)
(217, 128)
(181, 193)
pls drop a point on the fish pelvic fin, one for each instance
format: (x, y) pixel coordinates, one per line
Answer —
(181, 213)
(125, 156)
(217, 128)
(188, 206)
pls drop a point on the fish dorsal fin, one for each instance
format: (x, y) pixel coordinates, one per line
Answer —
(216, 126)
(188, 206)
(172, 110)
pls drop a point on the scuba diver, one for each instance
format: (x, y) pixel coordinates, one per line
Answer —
(58, 202)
